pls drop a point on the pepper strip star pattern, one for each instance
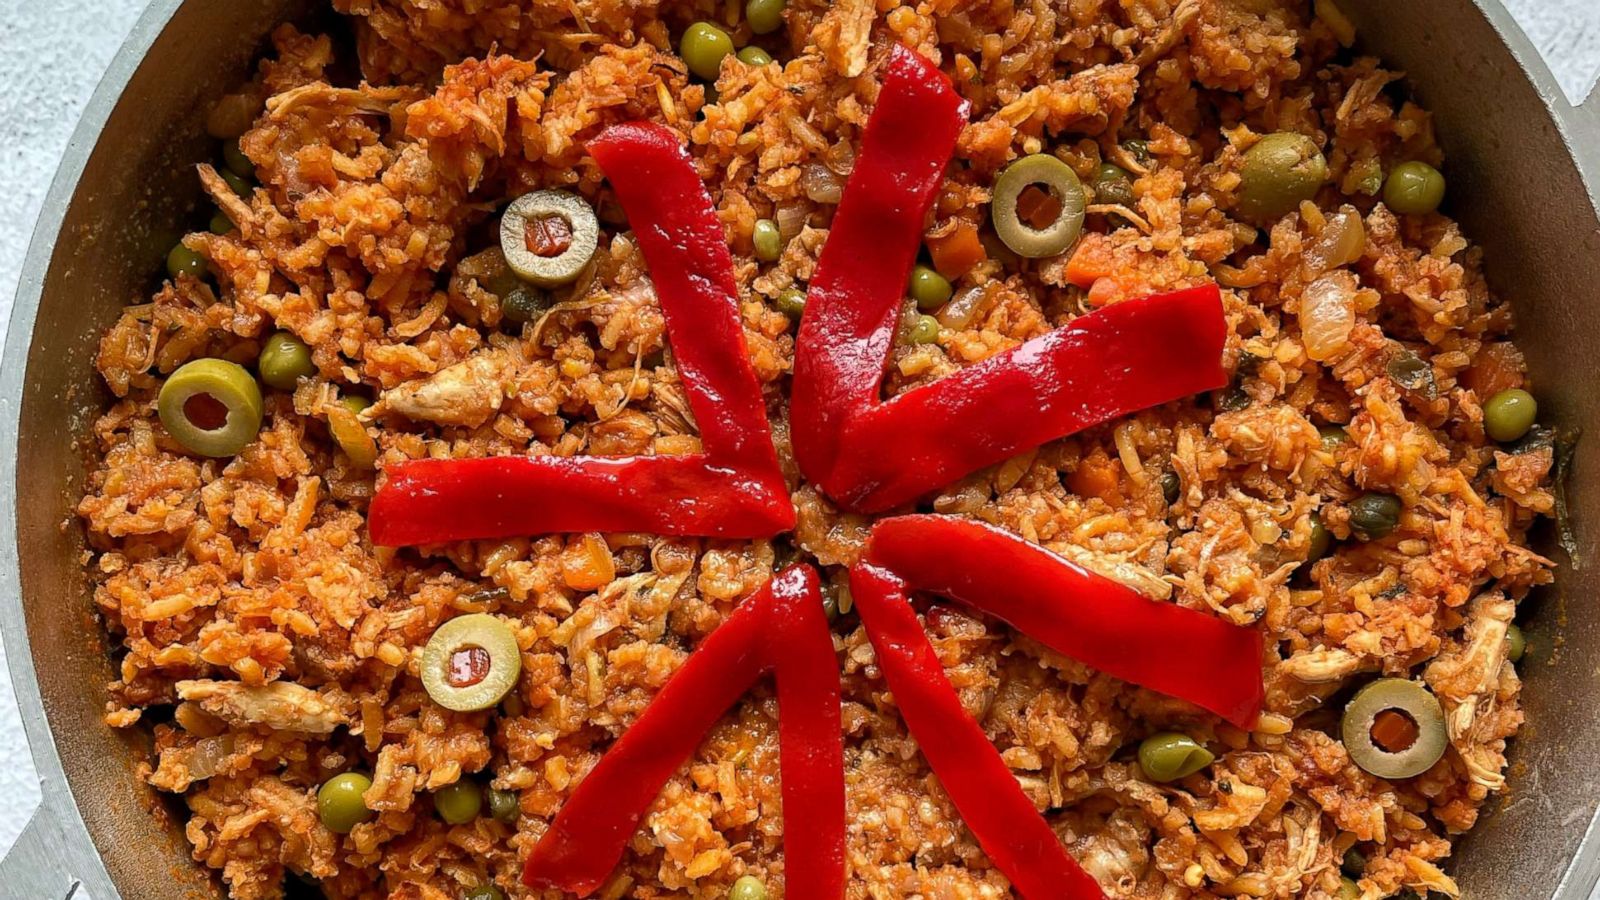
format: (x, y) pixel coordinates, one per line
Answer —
(781, 629)
(734, 489)
(1107, 364)
(1100, 366)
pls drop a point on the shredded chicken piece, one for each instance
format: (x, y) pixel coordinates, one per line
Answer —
(1466, 679)
(1321, 666)
(280, 705)
(467, 393)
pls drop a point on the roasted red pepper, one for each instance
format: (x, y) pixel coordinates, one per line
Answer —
(854, 298)
(1181, 652)
(781, 629)
(732, 489)
(1107, 364)
(1016, 838)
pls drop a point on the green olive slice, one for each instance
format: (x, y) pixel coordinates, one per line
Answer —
(471, 662)
(211, 406)
(548, 237)
(1044, 221)
(1394, 728)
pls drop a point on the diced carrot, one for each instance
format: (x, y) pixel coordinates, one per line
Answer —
(958, 252)
(1090, 262)
(1498, 367)
(1105, 291)
(1096, 476)
(587, 564)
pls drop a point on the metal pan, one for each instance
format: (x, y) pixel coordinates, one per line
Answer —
(1523, 164)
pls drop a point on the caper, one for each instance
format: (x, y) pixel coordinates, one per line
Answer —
(767, 239)
(1112, 185)
(792, 303)
(1374, 516)
(523, 303)
(503, 806)
(1171, 486)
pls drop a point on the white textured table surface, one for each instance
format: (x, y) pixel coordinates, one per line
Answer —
(52, 54)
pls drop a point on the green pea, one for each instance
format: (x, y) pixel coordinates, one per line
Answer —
(1349, 890)
(754, 56)
(1171, 486)
(236, 161)
(183, 261)
(1374, 516)
(764, 16)
(925, 331)
(1113, 185)
(220, 223)
(484, 892)
(930, 289)
(703, 47)
(503, 806)
(458, 803)
(285, 359)
(1516, 643)
(1354, 863)
(356, 403)
(1321, 540)
(1509, 414)
(792, 303)
(748, 887)
(339, 803)
(1170, 756)
(767, 239)
(238, 183)
(1414, 188)
(1280, 171)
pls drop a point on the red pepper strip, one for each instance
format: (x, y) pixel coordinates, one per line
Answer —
(734, 489)
(1118, 360)
(1016, 838)
(506, 496)
(811, 750)
(1180, 652)
(854, 299)
(782, 628)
